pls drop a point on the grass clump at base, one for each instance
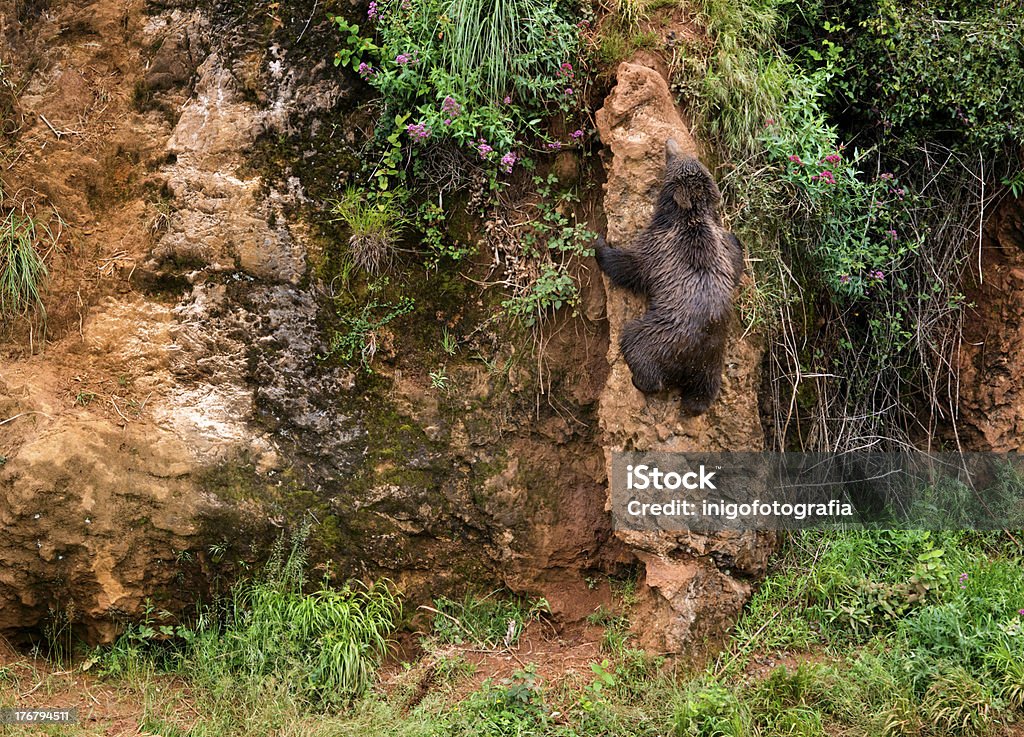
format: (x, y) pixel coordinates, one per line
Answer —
(271, 640)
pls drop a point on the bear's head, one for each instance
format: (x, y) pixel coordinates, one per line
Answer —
(688, 184)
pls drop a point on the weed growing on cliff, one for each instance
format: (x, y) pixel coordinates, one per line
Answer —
(358, 339)
(472, 95)
(22, 269)
(541, 252)
(375, 224)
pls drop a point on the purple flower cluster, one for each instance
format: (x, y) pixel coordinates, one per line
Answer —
(880, 275)
(577, 134)
(891, 233)
(833, 158)
(826, 176)
(483, 148)
(963, 580)
(418, 131)
(796, 159)
(554, 145)
(451, 106)
(365, 70)
(404, 59)
(373, 13)
(508, 161)
(844, 279)
(566, 71)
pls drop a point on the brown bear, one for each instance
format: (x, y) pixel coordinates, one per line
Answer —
(687, 266)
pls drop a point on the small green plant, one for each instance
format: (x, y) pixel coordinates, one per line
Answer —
(354, 46)
(604, 678)
(449, 343)
(431, 221)
(552, 289)
(22, 270)
(375, 223)
(452, 668)
(1007, 663)
(553, 240)
(84, 398)
(357, 340)
(511, 708)
(956, 703)
(710, 711)
(440, 380)
(1015, 183)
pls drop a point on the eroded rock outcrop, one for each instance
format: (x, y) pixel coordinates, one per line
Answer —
(182, 414)
(991, 409)
(694, 585)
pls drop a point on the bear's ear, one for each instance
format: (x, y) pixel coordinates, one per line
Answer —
(672, 150)
(682, 198)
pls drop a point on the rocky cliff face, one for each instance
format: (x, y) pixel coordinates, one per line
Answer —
(179, 414)
(991, 414)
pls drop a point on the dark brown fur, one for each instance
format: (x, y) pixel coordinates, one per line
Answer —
(687, 265)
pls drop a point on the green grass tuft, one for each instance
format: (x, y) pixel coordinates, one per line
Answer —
(22, 270)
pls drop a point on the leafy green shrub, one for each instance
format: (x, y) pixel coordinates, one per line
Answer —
(549, 244)
(950, 73)
(710, 710)
(511, 708)
(860, 239)
(480, 73)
